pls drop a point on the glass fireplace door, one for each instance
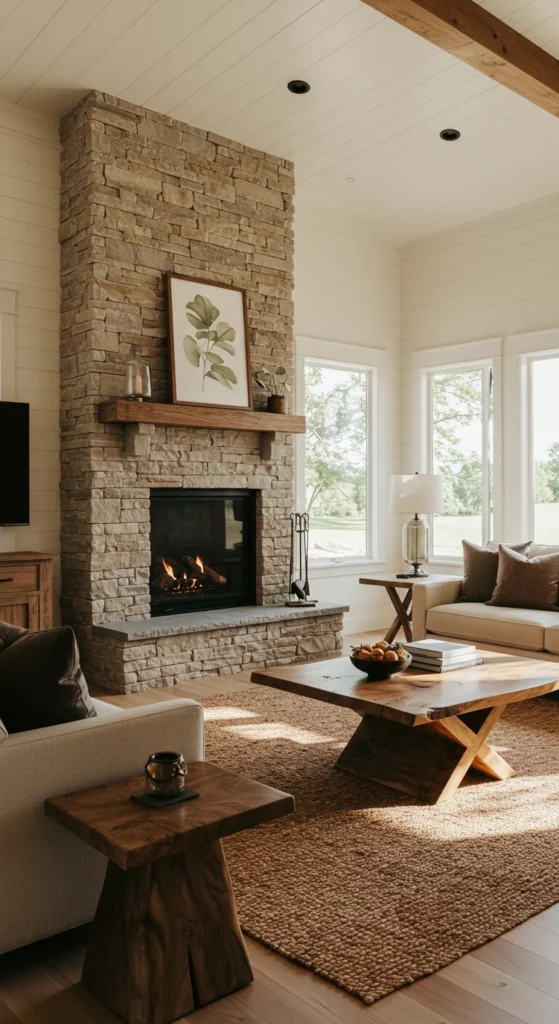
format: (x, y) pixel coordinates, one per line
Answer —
(202, 549)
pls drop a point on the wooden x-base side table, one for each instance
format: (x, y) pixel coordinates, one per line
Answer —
(392, 584)
(166, 939)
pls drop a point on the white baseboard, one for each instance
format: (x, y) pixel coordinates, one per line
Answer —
(363, 624)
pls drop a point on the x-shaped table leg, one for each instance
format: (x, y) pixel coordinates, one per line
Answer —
(429, 761)
(403, 618)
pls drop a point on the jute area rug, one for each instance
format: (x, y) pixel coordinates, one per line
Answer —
(365, 886)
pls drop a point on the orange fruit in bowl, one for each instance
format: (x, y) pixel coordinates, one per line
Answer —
(390, 656)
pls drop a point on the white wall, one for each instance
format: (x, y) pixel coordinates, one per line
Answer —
(347, 290)
(494, 278)
(29, 270)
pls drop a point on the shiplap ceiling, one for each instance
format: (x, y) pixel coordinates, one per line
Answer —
(365, 140)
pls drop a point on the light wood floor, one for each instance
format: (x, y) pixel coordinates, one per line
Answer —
(514, 978)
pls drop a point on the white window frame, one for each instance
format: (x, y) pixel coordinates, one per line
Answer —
(520, 352)
(347, 357)
(485, 356)
(511, 358)
(527, 371)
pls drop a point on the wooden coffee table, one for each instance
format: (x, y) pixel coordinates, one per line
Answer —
(166, 938)
(420, 732)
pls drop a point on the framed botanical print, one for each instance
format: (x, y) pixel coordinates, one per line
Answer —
(208, 340)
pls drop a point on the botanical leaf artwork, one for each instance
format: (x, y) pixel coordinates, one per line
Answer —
(211, 341)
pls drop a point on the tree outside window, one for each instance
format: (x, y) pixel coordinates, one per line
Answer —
(336, 452)
(461, 447)
(545, 449)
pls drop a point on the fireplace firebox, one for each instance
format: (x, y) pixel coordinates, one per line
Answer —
(203, 549)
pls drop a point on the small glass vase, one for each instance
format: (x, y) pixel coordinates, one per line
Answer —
(138, 381)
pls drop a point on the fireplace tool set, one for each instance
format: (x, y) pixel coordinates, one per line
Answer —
(299, 562)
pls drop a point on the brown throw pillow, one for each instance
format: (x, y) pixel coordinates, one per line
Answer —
(527, 582)
(41, 682)
(480, 571)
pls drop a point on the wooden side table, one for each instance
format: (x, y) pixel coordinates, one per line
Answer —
(166, 939)
(392, 584)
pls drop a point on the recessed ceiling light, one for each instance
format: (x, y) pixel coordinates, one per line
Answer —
(298, 86)
(450, 134)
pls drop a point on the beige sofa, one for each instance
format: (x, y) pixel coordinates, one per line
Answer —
(49, 880)
(527, 632)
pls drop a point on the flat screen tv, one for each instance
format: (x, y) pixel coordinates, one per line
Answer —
(14, 463)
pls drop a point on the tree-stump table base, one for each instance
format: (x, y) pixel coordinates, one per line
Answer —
(166, 939)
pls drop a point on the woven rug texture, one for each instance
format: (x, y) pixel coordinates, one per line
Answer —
(368, 887)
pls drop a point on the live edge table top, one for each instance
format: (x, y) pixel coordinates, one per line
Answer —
(131, 834)
(415, 697)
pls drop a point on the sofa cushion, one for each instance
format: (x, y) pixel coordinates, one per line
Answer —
(102, 707)
(480, 570)
(536, 550)
(511, 627)
(41, 681)
(551, 639)
(527, 582)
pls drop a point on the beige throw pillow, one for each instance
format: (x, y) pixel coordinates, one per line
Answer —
(480, 571)
(526, 582)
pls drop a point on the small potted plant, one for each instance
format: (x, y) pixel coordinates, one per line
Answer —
(274, 382)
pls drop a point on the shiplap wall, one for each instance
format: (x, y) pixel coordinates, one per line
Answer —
(347, 290)
(492, 277)
(29, 264)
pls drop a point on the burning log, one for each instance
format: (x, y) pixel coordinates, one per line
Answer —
(164, 582)
(197, 567)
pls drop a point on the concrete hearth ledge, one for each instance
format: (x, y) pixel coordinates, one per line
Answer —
(223, 618)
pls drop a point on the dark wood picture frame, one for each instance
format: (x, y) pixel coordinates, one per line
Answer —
(170, 276)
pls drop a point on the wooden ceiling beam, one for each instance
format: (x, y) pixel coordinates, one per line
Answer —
(472, 34)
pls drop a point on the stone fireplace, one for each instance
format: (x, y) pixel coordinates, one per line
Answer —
(143, 194)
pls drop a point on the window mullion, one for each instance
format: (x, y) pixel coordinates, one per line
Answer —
(486, 455)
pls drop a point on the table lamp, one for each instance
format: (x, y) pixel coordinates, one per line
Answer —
(420, 493)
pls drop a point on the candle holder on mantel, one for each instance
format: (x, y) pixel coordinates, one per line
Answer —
(138, 381)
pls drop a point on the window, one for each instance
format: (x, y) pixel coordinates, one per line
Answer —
(338, 402)
(544, 389)
(461, 446)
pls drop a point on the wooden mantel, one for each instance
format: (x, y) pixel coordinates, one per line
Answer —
(266, 423)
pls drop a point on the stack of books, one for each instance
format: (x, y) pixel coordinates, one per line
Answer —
(442, 655)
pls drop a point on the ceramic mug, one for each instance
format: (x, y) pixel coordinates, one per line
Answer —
(165, 772)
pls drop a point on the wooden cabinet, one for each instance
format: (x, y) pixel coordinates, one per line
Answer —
(26, 589)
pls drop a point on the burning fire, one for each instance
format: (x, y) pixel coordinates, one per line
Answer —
(177, 579)
(168, 569)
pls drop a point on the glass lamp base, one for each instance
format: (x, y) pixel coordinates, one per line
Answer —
(415, 546)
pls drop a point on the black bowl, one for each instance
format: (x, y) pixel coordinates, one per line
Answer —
(377, 670)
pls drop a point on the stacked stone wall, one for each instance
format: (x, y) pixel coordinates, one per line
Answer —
(143, 194)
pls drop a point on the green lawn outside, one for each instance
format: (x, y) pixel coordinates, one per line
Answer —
(336, 536)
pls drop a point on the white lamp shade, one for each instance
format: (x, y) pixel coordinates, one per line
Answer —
(417, 493)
